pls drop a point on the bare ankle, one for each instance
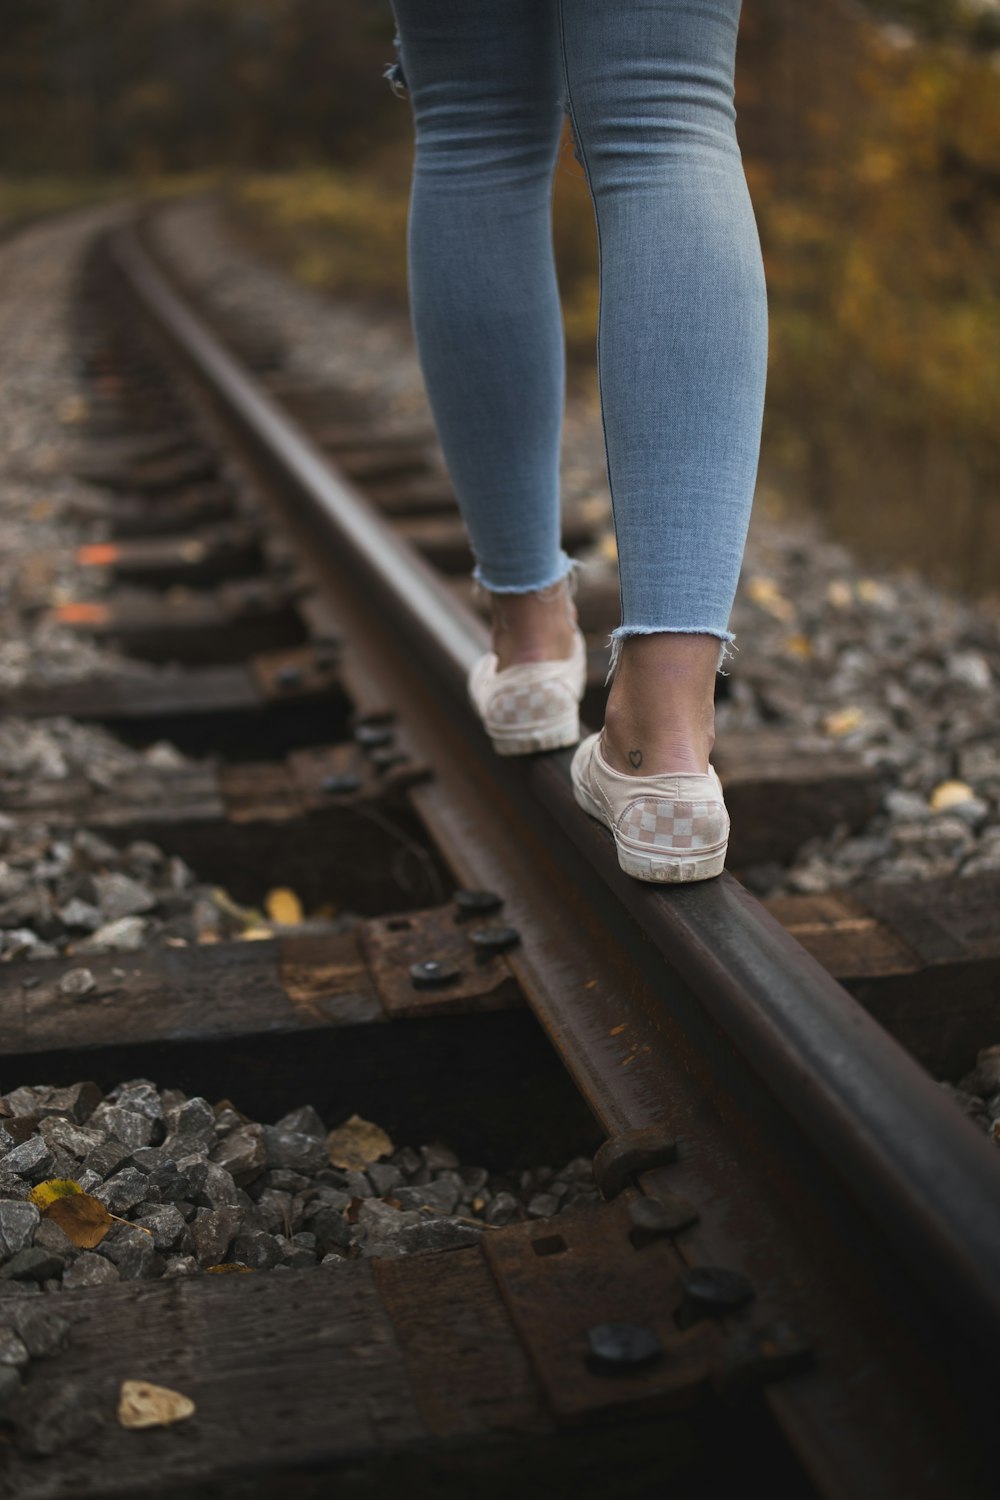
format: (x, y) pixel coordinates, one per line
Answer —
(661, 711)
(536, 626)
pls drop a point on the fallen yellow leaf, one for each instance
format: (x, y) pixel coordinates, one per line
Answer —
(142, 1404)
(83, 1220)
(843, 720)
(282, 905)
(356, 1144)
(950, 794)
(46, 1193)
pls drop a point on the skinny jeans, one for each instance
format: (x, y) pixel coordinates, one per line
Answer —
(682, 338)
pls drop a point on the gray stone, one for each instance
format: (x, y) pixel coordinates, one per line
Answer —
(41, 1330)
(258, 1251)
(543, 1206)
(126, 935)
(331, 1229)
(132, 1251)
(382, 1228)
(210, 1185)
(107, 1158)
(77, 984)
(407, 1160)
(18, 1223)
(48, 1236)
(31, 1160)
(503, 1208)
(285, 1181)
(128, 1126)
(242, 1153)
(124, 1190)
(903, 804)
(190, 1127)
(212, 1232)
(182, 1265)
(120, 896)
(12, 1350)
(11, 1291)
(984, 1079)
(438, 1158)
(140, 1096)
(439, 1197)
(384, 1177)
(148, 1158)
(228, 1119)
(475, 1180)
(302, 1121)
(32, 1265)
(170, 1182)
(80, 915)
(77, 1140)
(358, 1185)
(275, 1209)
(165, 1222)
(293, 1150)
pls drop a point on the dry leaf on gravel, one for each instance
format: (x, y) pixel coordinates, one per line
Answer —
(142, 1404)
(226, 1268)
(950, 794)
(357, 1143)
(283, 906)
(83, 1220)
(46, 1193)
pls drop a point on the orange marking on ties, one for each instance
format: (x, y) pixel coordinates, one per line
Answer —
(82, 614)
(98, 554)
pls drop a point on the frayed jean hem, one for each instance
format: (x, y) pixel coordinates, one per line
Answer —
(567, 569)
(617, 638)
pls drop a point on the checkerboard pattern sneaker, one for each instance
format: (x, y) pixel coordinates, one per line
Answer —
(673, 827)
(533, 706)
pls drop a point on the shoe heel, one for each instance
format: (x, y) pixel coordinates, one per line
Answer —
(529, 742)
(672, 869)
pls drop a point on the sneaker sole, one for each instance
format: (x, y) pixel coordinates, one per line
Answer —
(529, 742)
(662, 868)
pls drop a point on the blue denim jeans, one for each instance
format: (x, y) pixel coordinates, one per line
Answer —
(682, 340)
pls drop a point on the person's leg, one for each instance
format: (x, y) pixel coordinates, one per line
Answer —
(485, 85)
(682, 351)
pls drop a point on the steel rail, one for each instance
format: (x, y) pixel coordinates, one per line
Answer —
(918, 1169)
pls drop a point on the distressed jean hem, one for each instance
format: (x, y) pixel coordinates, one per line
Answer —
(617, 638)
(567, 569)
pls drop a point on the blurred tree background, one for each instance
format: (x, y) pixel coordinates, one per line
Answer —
(871, 137)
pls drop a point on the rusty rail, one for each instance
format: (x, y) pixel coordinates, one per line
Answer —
(902, 1152)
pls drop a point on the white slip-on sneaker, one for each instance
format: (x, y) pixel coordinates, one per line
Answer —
(532, 706)
(673, 827)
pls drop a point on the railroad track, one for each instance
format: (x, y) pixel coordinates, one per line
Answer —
(793, 1263)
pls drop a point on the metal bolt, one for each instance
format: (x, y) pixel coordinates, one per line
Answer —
(617, 1348)
(385, 758)
(653, 1218)
(488, 941)
(477, 903)
(374, 736)
(711, 1291)
(433, 974)
(338, 785)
